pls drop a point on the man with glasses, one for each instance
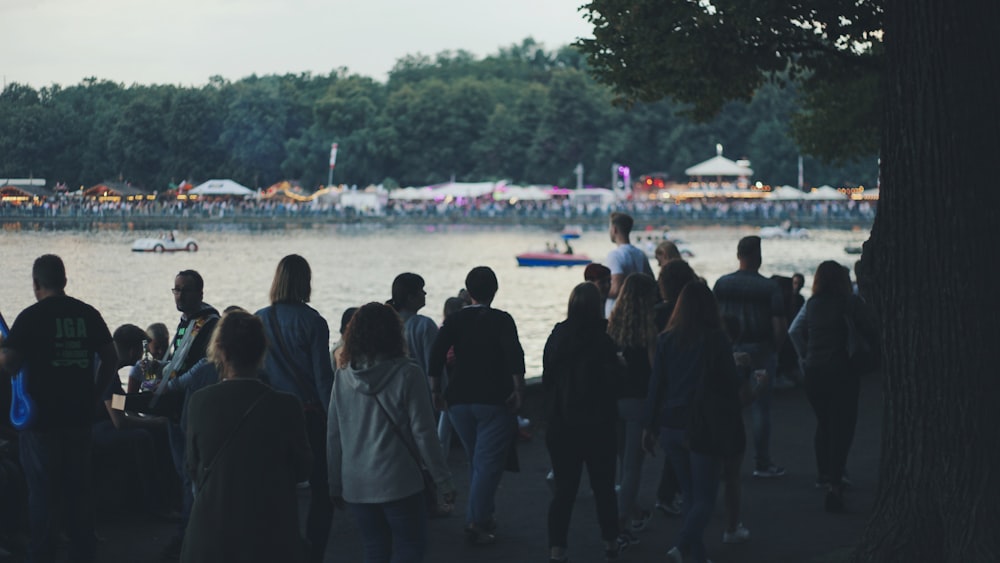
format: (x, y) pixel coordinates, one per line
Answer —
(190, 344)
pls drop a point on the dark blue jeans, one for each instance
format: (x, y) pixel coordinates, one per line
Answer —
(487, 434)
(57, 467)
(393, 532)
(698, 476)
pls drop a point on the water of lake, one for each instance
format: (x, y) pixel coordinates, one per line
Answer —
(353, 265)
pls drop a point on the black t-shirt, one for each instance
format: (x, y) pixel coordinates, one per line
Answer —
(487, 354)
(58, 338)
(754, 301)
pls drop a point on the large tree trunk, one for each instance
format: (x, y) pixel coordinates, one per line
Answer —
(931, 270)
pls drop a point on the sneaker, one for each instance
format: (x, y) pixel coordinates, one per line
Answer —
(627, 538)
(475, 536)
(550, 480)
(674, 556)
(638, 525)
(739, 535)
(672, 508)
(769, 471)
(621, 544)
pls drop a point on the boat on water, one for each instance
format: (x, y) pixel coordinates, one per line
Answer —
(551, 256)
(853, 249)
(785, 230)
(167, 243)
(571, 231)
(552, 259)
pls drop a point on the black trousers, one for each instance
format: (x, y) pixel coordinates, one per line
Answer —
(570, 449)
(833, 392)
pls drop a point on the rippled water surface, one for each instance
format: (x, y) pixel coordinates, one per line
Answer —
(355, 265)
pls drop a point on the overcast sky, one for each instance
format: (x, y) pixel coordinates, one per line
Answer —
(187, 41)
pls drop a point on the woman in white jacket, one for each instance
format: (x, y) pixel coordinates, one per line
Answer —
(380, 434)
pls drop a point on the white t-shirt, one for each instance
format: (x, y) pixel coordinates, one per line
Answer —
(626, 259)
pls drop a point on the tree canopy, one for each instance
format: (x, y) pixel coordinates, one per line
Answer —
(524, 114)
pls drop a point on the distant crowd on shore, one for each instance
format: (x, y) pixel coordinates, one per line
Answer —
(220, 423)
(694, 210)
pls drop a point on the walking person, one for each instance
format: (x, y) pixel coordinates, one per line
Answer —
(694, 407)
(381, 437)
(633, 330)
(484, 393)
(820, 336)
(298, 362)
(579, 375)
(246, 450)
(757, 304)
(58, 342)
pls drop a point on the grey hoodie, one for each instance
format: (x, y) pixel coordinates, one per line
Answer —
(368, 461)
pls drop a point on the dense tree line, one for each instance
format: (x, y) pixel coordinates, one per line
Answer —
(523, 114)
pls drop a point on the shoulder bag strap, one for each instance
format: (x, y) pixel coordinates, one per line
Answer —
(395, 428)
(285, 357)
(206, 470)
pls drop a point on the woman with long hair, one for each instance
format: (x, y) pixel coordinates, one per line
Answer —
(246, 450)
(693, 405)
(381, 437)
(298, 362)
(578, 375)
(820, 336)
(633, 329)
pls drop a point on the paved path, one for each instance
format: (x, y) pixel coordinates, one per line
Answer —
(785, 516)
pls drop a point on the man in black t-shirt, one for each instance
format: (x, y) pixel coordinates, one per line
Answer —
(485, 390)
(59, 342)
(757, 304)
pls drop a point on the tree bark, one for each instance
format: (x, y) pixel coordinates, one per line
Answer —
(929, 268)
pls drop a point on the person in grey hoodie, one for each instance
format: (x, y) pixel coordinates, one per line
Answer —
(380, 435)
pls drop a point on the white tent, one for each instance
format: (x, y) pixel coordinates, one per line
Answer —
(593, 196)
(412, 194)
(465, 189)
(718, 166)
(522, 193)
(221, 187)
(826, 193)
(785, 193)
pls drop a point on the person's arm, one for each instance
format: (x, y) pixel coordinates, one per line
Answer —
(321, 362)
(428, 333)
(300, 453)
(424, 431)
(514, 355)
(108, 369)
(616, 285)
(10, 361)
(798, 333)
(779, 321)
(334, 452)
(439, 353)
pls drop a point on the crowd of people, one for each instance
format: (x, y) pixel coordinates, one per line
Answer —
(245, 408)
(484, 208)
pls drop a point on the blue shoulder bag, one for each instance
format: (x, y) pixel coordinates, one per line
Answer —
(22, 408)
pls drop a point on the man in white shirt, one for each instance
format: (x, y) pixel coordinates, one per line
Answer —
(625, 259)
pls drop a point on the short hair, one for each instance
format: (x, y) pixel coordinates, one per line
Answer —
(238, 342)
(748, 247)
(595, 271)
(482, 284)
(158, 333)
(49, 272)
(405, 285)
(585, 303)
(674, 275)
(376, 331)
(622, 221)
(129, 337)
(668, 249)
(345, 318)
(199, 283)
(831, 278)
(453, 305)
(292, 280)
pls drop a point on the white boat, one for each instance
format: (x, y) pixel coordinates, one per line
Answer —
(166, 243)
(785, 230)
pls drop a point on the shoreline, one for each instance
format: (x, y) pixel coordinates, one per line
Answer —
(281, 222)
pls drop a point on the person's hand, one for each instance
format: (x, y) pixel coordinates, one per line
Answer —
(449, 497)
(338, 503)
(440, 404)
(649, 442)
(760, 376)
(515, 400)
(742, 359)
